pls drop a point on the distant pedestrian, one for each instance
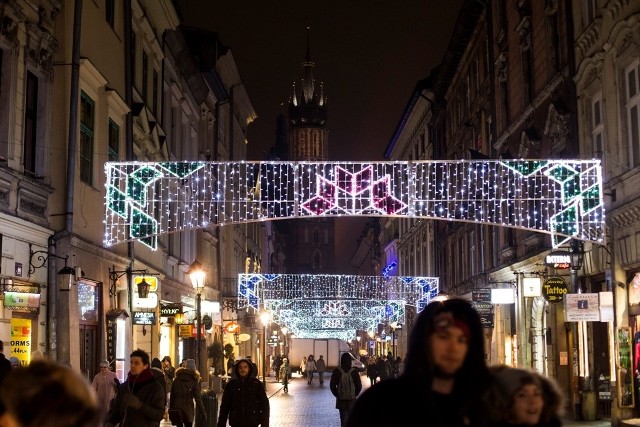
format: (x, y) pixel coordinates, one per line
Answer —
(521, 397)
(158, 373)
(311, 368)
(230, 365)
(141, 399)
(244, 399)
(321, 367)
(383, 368)
(105, 383)
(277, 363)
(169, 375)
(398, 366)
(303, 367)
(285, 372)
(184, 392)
(344, 390)
(47, 394)
(372, 370)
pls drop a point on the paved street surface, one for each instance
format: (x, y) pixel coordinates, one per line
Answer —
(314, 406)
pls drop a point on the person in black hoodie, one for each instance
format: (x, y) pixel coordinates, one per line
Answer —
(141, 399)
(444, 379)
(184, 391)
(244, 400)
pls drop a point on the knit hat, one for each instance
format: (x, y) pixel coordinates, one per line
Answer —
(155, 363)
(510, 380)
(104, 364)
(191, 364)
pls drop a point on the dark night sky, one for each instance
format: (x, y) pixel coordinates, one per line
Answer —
(369, 53)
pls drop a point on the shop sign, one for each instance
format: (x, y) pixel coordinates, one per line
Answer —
(485, 311)
(144, 318)
(150, 302)
(481, 295)
(558, 259)
(554, 289)
(170, 310)
(21, 300)
(151, 280)
(581, 307)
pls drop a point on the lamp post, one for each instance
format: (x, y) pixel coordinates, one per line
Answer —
(197, 274)
(265, 318)
(577, 258)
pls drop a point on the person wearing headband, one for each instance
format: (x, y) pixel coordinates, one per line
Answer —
(445, 376)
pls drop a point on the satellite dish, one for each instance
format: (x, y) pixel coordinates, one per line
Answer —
(244, 337)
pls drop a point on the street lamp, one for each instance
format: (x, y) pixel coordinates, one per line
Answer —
(197, 274)
(265, 318)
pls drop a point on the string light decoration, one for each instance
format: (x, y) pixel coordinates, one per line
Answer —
(559, 197)
(334, 306)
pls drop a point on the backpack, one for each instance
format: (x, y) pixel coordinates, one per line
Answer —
(346, 387)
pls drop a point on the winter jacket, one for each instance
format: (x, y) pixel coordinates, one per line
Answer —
(142, 390)
(244, 402)
(184, 390)
(320, 365)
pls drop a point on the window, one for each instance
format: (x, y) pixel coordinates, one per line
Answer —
(597, 126)
(30, 124)
(633, 113)
(86, 138)
(145, 76)
(110, 12)
(114, 141)
(154, 93)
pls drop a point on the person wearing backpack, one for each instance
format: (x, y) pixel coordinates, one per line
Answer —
(345, 385)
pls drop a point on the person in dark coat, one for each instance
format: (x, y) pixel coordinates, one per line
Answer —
(445, 377)
(524, 398)
(5, 364)
(244, 400)
(184, 391)
(141, 399)
(158, 373)
(342, 405)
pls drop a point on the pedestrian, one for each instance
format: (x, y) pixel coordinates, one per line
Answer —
(141, 399)
(445, 376)
(5, 364)
(303, 366)
(184, 392)
(345, 385)
(244, 399)
(47, 394)
(277, 363)
(15, 362)
(383, 368)
(230, 364)
(372, 370)
(158, 373)
(321, 367)
(169, 375)
(521, 397)
(311, 368)
(183, 364)
(398, 366)
(105, 383)
(285, 372)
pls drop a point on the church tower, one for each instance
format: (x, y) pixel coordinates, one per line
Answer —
(308, 134)
(309, 243)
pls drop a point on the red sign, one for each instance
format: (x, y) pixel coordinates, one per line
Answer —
(232, 327)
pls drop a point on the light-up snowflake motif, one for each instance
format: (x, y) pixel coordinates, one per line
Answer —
(335, 308)
(354, 193)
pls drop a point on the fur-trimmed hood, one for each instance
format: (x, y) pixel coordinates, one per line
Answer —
(507, 381)
(189, 372)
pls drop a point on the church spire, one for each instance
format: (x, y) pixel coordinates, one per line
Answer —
(308, 83)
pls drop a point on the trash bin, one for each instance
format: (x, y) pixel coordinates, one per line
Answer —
(210, 401)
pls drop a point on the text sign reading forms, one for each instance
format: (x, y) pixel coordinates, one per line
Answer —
(559, 197)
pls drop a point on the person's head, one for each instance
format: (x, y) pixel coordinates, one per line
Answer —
(104, 366)
(285, 361)
(243, 368)
(166, 361)
(447, 342)
(320, 357)
(521, 396)
(183, 364)
(345, 361)
(47, 394)
(156, 363)
(191, 364)
(139, 361)
(14, 362)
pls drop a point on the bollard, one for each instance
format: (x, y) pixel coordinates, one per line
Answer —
(210, 401)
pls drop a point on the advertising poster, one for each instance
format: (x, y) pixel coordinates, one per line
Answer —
(21, 340)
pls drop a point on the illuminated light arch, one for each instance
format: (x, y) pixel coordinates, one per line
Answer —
(334, 306)
(562, 198)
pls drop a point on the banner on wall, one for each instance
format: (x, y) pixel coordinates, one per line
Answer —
(21, 340)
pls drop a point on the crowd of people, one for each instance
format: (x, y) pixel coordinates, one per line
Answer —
(443, 376)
